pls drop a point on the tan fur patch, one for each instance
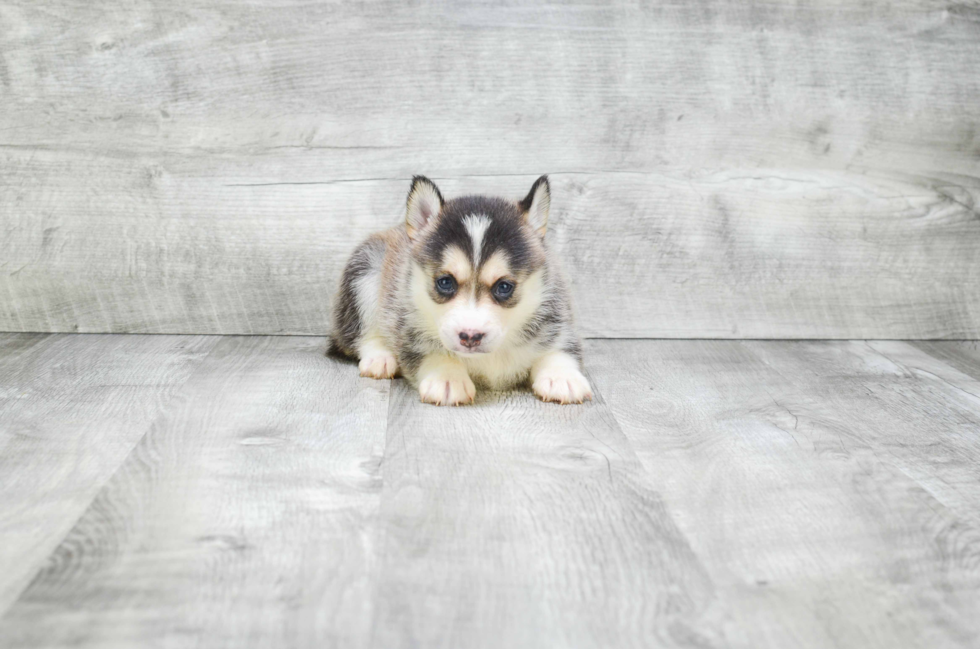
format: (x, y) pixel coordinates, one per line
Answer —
(494, 268)
(455, 261)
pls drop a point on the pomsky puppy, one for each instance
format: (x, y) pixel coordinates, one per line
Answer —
(465, 292)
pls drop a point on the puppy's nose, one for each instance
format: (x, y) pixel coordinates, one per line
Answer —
(470, 338)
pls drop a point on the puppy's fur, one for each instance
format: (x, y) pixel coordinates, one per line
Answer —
(464, 292)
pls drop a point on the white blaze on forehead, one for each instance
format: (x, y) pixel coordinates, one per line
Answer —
(476, 225)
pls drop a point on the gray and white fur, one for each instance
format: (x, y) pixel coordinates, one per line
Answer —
(465, 292)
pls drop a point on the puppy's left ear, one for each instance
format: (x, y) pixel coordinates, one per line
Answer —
(536, 205)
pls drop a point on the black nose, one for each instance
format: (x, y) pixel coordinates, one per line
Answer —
(470, 339)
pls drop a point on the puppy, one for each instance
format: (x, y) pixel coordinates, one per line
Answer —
(465, 292)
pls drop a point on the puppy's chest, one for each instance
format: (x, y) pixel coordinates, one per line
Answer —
(503, 369)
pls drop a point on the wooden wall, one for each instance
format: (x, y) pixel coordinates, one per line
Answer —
(721, 169)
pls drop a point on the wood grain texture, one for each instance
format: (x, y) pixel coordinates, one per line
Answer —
(242, 519)
(963, 355)
(916, 410)
(516, 523)
(824, 489)
(721, 170)
(71, 410)
(717, 494)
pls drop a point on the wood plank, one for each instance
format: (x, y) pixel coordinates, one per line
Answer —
(374, 82)
(516, 523)
(244, 518)
(761, 169)
(721, 256)
(719, 493)
(918, 412)
(71, 410)
(963, 355)
(790, 494)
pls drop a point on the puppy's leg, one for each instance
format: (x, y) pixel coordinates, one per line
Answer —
(444, 381)
(377, 361)
(556, 377)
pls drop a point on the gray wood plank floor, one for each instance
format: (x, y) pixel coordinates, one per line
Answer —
(181, 491)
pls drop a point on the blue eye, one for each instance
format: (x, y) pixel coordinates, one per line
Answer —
(502, 290)
(446, 285)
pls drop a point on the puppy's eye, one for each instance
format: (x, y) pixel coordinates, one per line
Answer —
(446, 285)
(502, 289)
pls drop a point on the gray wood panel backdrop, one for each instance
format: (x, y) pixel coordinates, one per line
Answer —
(721, 169)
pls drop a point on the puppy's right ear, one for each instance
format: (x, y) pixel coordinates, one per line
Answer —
(424, 204)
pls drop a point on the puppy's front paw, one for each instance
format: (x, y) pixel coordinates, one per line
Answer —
(380, 366)
(447, 387)
(561, 385)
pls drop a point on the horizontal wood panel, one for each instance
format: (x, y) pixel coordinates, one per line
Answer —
(747, 170)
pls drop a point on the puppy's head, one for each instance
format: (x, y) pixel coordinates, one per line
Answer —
(477, 264)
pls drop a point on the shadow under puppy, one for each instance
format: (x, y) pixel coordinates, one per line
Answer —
(464, 292)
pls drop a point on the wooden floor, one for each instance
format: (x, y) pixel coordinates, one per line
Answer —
(184, 491)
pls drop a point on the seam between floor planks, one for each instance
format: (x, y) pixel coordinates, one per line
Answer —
(8, 599)
(119, 466)
(929, 535)
(538, 487)
(158, 470)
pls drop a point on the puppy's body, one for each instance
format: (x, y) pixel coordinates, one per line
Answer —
(465, 292)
